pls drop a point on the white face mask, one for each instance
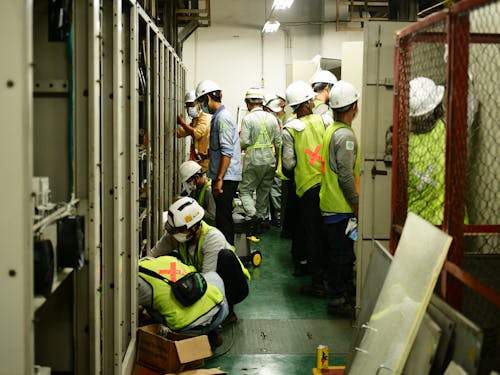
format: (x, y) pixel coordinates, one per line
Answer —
(181, 237)
(193, 112)
(189, 187)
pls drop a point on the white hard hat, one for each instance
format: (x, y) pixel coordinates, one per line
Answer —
(183, 214)
(189, 97)
(342, 94)
(188, 169)
(323, 76)
(205, 87)
(274, 104)
(425, 95)
(269, 97)
(281, 95)
(299, 92)
(254, 93)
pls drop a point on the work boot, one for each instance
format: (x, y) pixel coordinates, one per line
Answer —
(214, 339)
(230, 319)
(341, 308)
(315, 290)
(300, 269)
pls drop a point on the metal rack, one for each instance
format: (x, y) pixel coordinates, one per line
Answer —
(97, 89)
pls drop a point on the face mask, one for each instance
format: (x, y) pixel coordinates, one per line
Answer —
(189, 187)
(204, 106)
(193, 112)
(181, 237)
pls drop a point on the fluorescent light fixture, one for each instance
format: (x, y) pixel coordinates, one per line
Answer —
(271, 26)
(282, 4)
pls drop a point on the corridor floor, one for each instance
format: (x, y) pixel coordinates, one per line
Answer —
(278, 329)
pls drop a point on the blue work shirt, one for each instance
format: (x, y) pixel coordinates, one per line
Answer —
(224, 140)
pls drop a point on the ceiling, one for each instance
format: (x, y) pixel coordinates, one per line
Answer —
(254, 13)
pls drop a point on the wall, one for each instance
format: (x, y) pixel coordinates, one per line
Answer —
(231, 52)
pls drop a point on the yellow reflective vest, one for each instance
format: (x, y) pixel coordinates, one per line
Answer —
(176, 315)
(197, 260)
(426, 170)
(331, 196)
(307, 144)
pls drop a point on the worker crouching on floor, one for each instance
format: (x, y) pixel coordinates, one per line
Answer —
(155, 293)
(197, 186)
(204, 247)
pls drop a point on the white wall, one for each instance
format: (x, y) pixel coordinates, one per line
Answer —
(235, 58)
(230, 52)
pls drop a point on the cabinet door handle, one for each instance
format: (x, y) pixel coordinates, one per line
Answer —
(376, 171)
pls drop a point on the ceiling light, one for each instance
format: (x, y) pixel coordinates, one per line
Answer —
(282, 4)
(271, 26)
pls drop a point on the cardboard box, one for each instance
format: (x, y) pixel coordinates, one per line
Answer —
(172, 354)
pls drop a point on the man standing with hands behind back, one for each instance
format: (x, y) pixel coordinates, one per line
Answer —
(224, 167)
(339, 197)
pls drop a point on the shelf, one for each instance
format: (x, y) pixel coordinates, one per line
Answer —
(59, 277)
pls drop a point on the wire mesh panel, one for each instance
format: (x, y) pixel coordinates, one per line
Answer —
(446, 133)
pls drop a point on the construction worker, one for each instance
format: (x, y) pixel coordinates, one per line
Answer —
(202, 317)
(322, 82)
(272, 104)
(259, 138)
(339, 196)
(199, 130)
(426, 151)
(224, 168)
(198, 187)
(302, 140)
(203, 246)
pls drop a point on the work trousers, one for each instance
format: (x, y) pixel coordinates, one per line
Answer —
(214, 279)
(258, 178)
(313, 232)
(224, 210)
(235, 281)
(340, 261)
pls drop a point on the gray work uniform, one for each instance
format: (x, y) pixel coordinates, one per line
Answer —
(260, 137)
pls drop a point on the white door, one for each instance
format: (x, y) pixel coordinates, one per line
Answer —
(377, 100)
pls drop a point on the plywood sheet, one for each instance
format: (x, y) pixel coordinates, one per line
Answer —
(403, 299)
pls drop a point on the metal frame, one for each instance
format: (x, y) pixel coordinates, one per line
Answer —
(94, 180)
(16, 106)
(458, 38)
(106, 56)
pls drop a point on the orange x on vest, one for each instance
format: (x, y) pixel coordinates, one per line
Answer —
(172, 271)
(315, 156)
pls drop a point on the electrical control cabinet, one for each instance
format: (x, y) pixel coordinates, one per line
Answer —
(91, 91)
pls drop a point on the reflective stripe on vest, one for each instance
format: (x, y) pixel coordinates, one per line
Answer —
(331, 197)
(197, 260)
(263, 133)
(175, 314)
(426, 170)
(201, 197)
(279, 167)
(307, 145)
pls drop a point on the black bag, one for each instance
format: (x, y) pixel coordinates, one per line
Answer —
(71, 242)
(44, 267)
(187, 290)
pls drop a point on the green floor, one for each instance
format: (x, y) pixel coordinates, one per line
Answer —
(278, 329)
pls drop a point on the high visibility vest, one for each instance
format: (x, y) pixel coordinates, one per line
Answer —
(279, 167)
(203, 191)
(177, 316)
(197, 259)
(307, 144)
(264, 135)
(331, 197)
(426, 171)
